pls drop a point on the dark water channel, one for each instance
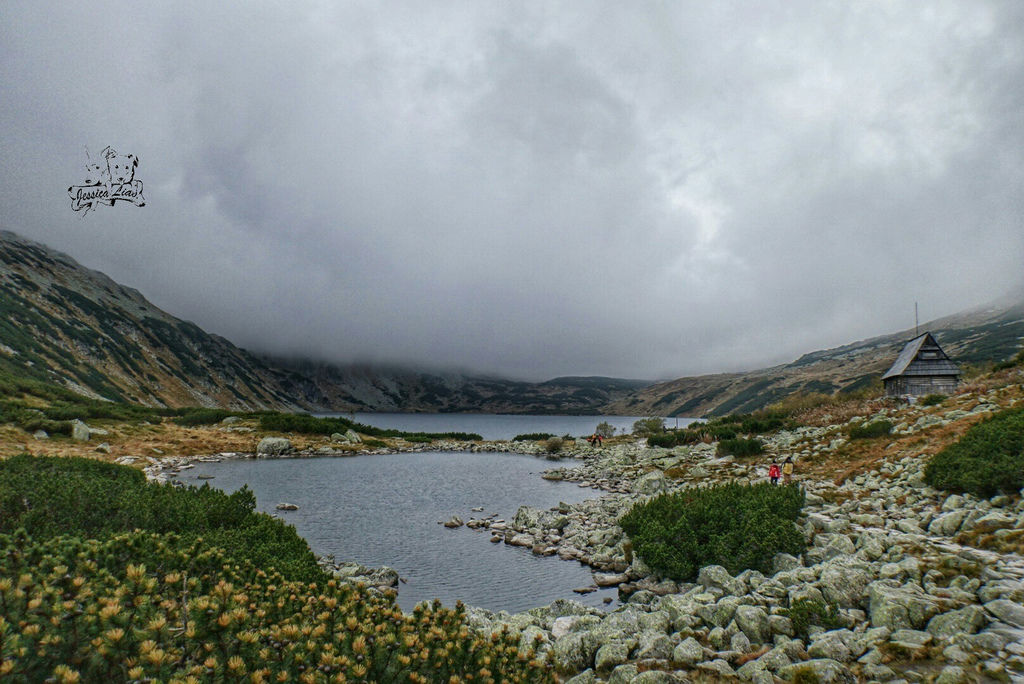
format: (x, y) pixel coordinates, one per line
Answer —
(385, 509)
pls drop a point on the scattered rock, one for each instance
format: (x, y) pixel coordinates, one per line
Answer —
(274, 446)
(79, 431)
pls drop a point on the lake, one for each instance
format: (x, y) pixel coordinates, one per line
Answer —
(385, 509)
(498, 426)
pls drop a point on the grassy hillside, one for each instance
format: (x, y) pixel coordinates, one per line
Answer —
(978, 338)
(65, 325)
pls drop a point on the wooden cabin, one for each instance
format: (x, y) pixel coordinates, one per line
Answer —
(921, 368)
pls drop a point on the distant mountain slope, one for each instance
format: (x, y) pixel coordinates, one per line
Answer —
(64, 323)
(364, 388)
(989, 333)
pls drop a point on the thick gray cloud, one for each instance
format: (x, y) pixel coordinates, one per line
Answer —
(640, 189)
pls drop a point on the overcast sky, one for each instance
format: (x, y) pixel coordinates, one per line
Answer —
(635, 189)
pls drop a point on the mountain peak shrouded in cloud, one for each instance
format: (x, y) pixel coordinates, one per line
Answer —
(639, 190)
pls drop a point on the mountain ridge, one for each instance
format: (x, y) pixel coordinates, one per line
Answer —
(982, 334)
(67, 324)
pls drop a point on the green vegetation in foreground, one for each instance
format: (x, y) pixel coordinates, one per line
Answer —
(306, 424)
(733, 525)
(105, 577)
(140, 606)
(49, 496)
(988, 459)
(878, 428)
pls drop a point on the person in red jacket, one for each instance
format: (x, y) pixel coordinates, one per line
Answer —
(774, 472)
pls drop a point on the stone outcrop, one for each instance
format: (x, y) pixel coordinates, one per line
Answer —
(274, 446)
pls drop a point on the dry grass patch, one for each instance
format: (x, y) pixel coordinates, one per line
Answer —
(126, 439)
(1003, 541)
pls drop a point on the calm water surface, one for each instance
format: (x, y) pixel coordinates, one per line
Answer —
(384, 510)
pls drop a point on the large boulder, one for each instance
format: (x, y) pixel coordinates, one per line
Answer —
(832, 645)
(717, 576)
(845, 585)
(688, 653)
(611, 655)
(527, 518)
(553, 520)
(274, 446)
(947, 524)
(1007, 611)
(574, 652)
(904, 606)
(753, 620)
(650, 483)
(995, 520)
(654, 646)
(79, 431)
(823, 670)
(967, 620)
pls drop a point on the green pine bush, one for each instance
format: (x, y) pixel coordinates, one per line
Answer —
(532, 437)
(740, 447)
(988, 459)
(736, 526)
(140, 606)
(878, 428)
(49, 496)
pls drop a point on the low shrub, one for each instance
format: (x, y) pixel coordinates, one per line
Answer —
(49, 496)
(733, 525)
(721, 432)
(740, 447)
(554, 445)
(667, 439)
(532, 437)
(645, 427)
(989, 458)
(932, 399)
(150, 607)
(605, 429)
(419, 439)
(806, 612)
(878, 428)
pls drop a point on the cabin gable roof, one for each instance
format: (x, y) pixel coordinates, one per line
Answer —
(922, 356)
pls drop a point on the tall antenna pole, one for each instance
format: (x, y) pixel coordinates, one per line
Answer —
(915, 319)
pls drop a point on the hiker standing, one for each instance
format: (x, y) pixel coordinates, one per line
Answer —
(773, 473)
(787, 470)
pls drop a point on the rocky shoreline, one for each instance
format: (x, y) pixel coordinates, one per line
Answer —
(913, 604)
